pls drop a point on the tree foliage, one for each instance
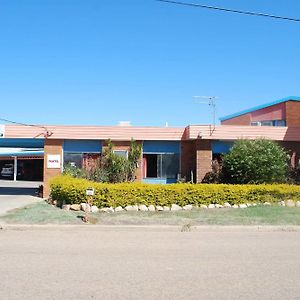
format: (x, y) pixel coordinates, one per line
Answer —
(255, 161)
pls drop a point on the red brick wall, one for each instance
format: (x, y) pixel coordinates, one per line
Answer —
(188, 159)
(292, 113)
(51, 147)
(240, 120)
(293, 149)
(204, 159)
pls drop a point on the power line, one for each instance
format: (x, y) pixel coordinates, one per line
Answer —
(46, 133)
(230, 10)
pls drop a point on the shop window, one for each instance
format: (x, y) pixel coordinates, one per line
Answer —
(161, 165)
(82, 160)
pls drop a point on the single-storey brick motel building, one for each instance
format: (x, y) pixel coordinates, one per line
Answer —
(40, 152)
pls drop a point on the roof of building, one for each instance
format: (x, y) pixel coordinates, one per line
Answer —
(233, 132)
(117, 133)
(246, 111)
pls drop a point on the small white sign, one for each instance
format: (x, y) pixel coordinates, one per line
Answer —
(53, 161)
(90, 192)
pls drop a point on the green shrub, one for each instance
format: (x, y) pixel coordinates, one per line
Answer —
(255, 161)
(72, 190)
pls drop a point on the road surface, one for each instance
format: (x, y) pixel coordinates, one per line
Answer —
(60, 262)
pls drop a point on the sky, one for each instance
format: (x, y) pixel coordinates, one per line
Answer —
(98, 62)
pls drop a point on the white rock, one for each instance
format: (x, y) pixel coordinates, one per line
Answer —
(203, 206)
(143, 207)
(175, 207)
(290, 203)
(267, 203)
(243, 205)
(94, 209)
(188, 207)
(227, 205)
(211, 206)
(131, 208)
(110, 210)
(167, 208)
(85, 207)
(151, 207)
(298, 203)
(75, 207)
(281, 203)
(254, 204)
(249, 204)
(66, 207)
(235, 206)
(119, 208)
(218, 206)
(159, 208)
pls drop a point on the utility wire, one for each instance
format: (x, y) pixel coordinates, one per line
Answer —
(256, 14)
(47, 132)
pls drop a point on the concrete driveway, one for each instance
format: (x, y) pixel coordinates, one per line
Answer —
(17, 194)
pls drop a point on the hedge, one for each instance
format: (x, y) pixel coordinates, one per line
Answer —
(69, 190)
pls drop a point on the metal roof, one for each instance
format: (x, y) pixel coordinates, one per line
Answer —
(246, 111)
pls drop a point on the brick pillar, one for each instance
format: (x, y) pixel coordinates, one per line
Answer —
(188, 159)
(204, 159)
(52, 147)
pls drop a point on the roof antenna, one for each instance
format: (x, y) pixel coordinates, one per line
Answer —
(211, 101)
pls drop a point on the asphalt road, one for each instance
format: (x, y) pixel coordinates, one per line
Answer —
(151, 263)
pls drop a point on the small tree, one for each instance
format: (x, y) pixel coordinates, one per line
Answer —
(255, 161)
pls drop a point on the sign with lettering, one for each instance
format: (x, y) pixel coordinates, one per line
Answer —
(53, 161)
(90, 192)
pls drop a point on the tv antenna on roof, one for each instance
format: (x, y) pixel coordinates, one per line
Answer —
(211, 101)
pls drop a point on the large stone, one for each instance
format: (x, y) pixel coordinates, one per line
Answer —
(267, 203)
(211, 206)
(66, 207)
(76, 207)
(235, 206)
(281, 203)
(227, 205)
(143, 207)
(167, 208)
(159, 208)
(175, 207)
(119, 209)
(84, 206)
(188, 207)
(203, 206)
(94, 209)
(131, 208)
(249, 204)
(298, 203)
(151, 208)
(243, 205)
(218, 206)
(290, 203)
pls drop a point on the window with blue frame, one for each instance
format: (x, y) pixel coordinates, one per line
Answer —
(161, 159)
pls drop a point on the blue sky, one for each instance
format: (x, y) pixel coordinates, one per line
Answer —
(100, 62)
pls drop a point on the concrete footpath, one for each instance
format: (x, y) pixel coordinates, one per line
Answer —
(17, 194)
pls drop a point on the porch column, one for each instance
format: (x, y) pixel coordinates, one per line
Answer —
(204, 159)
(15, 168)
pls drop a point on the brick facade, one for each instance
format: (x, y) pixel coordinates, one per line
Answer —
(292, 113)
(240, 120)
(55, 147)
(188, 159)
(204, 159)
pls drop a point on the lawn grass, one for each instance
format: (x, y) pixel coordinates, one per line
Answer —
(43, 213)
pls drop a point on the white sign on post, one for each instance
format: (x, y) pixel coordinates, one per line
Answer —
(53, 161)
